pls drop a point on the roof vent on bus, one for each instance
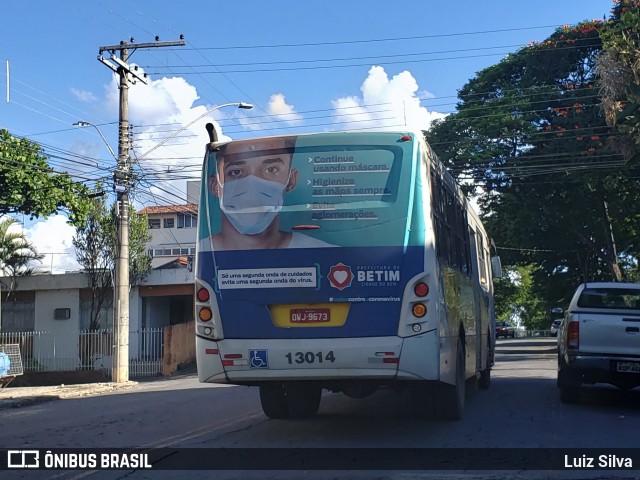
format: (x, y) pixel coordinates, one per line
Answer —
(213, 136)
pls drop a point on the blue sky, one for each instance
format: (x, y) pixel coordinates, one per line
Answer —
(306, 66)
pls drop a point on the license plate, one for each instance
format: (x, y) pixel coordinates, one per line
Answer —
(628, 367)
(310, 315)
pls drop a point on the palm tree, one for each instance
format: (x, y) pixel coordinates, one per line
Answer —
(16, 252)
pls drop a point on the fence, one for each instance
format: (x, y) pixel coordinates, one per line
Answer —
(87, 350)
(534, 333)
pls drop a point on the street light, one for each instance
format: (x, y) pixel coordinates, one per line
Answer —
(82, 123)
(121, 290)
(243, 105)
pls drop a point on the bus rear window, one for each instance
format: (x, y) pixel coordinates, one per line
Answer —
(343, 190)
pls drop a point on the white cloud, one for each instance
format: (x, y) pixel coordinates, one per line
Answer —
(53, 238)
(279, 108)
(159, 110)
(83, 95)
(385, 103)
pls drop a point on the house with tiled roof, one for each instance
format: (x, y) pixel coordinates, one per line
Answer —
(59, 306)
(173, 231)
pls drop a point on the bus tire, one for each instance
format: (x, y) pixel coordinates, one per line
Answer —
(423, 399)
(303, 400)
(485, 374)
(273, 400)
(450, 398)
(485, 379)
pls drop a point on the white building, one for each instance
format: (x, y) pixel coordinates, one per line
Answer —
(173, 229)
(61, 304)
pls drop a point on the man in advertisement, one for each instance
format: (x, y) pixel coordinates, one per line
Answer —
(250, 182)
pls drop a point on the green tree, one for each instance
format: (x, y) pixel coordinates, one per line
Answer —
(619, 72)
(28, 185)
(530, 139)
(96, 248)
(93, 252)
(17, 253)
(517, 297)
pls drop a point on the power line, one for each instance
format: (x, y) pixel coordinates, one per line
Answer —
(350, 65)
(376, 40)
(379, 57)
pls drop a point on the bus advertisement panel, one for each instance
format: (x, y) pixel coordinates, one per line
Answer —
(310, 231)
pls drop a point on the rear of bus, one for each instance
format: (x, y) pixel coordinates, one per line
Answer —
(341, 298)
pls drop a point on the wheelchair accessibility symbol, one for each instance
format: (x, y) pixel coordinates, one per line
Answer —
(258, 359)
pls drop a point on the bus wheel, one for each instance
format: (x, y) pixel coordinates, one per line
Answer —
(303, 400)
(450, 398)
(423, 399)
(485, 378)
(485, 374)
(273, 400)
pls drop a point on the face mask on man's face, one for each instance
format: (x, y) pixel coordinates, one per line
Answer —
(251, 203)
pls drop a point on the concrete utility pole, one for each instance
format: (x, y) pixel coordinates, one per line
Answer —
(121, 185)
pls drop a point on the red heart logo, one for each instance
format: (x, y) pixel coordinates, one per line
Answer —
(340, 276)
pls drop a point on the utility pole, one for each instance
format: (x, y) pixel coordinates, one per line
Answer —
(121, 185)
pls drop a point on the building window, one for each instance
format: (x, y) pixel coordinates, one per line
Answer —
(169, 222)
(187, 220)
(18, 316)
(172, 252)
(154, 223)
(104, 319)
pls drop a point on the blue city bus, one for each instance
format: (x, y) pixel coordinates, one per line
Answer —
(346, 262)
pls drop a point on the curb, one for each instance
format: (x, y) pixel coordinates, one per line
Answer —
(26, 396)
(26, 401)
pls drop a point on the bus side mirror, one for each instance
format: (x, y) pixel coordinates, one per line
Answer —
(496, 267)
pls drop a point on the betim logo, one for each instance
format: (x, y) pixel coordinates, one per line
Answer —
(340, 276)
(23, 458)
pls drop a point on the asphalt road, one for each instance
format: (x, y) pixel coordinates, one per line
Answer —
(521, 410)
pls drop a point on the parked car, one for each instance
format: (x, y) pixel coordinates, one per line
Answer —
(598, 342)
(503, 329)
(553, 329)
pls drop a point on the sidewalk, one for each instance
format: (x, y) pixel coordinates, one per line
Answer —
(12, 397)
(23, 396)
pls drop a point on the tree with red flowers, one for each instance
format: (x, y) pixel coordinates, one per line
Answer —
(530, 139)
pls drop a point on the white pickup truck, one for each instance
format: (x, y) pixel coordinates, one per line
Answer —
(599, 338)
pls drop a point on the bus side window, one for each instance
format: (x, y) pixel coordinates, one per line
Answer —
(482, 258)
(450, 225)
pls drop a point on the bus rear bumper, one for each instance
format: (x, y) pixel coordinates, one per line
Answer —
(210, 368)
(378, 358)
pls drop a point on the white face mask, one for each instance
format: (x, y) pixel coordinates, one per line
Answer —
(251, 203)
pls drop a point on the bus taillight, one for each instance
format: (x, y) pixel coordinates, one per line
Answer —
(203, 295)
(419, 310)
(421, 289)
(205, 314)
(573, 335)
